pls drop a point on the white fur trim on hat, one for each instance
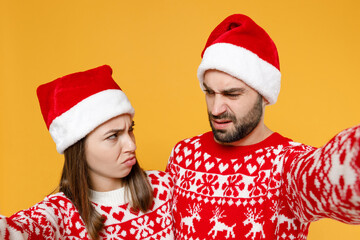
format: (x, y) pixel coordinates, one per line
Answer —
(244, 65)
(88, 114)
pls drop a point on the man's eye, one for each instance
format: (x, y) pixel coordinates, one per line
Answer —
(131, 129)
(232, 95)
(208, 92)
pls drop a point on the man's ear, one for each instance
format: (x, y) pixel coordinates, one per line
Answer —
(265, 102)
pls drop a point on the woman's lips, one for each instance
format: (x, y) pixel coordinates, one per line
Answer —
(130, 161)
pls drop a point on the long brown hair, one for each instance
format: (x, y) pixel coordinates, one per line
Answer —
(75, 184)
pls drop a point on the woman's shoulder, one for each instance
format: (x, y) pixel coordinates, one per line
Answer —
(51, 205)
(58, 202)
(160, 180)
(162, 186)
(51, 210)
(158, 175)
(58, 198)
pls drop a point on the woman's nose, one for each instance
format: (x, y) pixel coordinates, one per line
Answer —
(129, 144)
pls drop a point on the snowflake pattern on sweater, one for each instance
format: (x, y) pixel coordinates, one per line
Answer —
(270, 190)
(57, 218)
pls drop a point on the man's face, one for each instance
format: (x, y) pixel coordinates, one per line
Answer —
(234, 108)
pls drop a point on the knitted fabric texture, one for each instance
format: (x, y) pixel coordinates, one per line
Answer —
(57, 218)
(270, 190)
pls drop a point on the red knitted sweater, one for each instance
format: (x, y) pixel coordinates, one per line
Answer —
(270, 190)
(57, 218)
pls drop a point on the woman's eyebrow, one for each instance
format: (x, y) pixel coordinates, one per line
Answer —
(113, 131)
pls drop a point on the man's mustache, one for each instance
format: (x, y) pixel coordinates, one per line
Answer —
(224, 115)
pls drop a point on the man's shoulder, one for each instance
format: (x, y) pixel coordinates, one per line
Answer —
(194, 138)
(290, 146)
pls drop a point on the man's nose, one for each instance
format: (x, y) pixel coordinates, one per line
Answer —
(219, 105)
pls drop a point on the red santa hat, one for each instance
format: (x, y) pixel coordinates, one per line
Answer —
(241, 48)
(74, 105)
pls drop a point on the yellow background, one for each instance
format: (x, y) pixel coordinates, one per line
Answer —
(154, 48)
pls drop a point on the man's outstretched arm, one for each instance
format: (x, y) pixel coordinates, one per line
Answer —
(325, 182)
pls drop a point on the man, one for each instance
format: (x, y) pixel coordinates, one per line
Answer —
(242, 180)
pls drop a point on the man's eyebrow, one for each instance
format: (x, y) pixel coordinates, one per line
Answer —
(206, 86)
(233, 90)
(239, 90)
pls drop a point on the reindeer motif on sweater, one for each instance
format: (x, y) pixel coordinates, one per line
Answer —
(269, 190)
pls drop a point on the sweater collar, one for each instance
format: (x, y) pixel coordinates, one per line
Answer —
(110, 198)
(214, 148)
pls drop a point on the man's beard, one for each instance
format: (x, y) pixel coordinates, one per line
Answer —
(243, 126)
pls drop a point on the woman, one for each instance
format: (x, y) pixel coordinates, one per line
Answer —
(103, 192)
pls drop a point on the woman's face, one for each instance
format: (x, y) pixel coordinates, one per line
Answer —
(110, 152)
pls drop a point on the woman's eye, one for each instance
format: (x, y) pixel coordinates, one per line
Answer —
(112, 137)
